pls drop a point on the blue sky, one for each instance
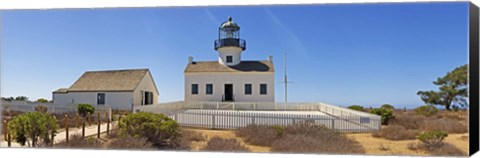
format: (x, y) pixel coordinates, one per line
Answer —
(367, 54)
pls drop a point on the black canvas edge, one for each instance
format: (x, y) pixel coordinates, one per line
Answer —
(473, 79)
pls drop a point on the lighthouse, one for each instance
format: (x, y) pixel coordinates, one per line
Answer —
(230, 78)
(229, 45)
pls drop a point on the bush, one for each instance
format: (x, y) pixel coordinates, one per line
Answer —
(314, 138)
(76, 141)
(386, 114)
(259, 134)
(129, 142)
(444, 124)
(446, 150)
(34, 127)
(409, 121)
(221, 144)
(159, 129)
(432, 139)
(85, 109)
(307, 144)
(41, 108)
(388, 106)
(395, 132)
(426, 110)
(356, 107)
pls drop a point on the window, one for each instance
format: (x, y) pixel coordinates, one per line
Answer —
(148, 98)
(229, 58)
(194, 88)
(263, 89)
(209, 89)
(248, 89)
(101, 99)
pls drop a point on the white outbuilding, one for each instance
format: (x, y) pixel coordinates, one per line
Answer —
(120, 89)
(230, 79)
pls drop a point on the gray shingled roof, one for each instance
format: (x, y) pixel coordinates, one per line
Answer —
(112, 80)
(244, 66)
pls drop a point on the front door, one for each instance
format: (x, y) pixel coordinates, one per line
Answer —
(228, 92)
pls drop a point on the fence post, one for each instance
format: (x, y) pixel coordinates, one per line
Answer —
(76, 121)
(53, 138)
(89, 119)
(108, 123)
(9, 139)
(65, 121)
(83, 128)
(213, 121)
(253, 119)
(5, 123)
(98, 121)
(333, 123)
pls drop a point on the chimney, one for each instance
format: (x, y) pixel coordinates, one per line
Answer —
(190, 59)
(270, 59)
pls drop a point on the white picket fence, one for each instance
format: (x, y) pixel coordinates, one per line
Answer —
(234, 115)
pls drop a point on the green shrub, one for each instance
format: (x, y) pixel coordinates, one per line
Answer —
(85, 109)
(159, 129)
(386, 114)
(388, 106)
(279, 129)
(33, 127)
(432, 139)
(41, 108)
(356, 107)
(426, 110)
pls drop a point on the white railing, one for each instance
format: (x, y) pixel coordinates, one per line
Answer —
(228, 115)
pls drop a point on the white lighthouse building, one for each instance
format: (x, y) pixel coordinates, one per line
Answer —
(230, 79)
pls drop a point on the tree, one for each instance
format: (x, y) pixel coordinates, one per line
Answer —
(386, 114)
(8, 99)
(85, 109)
(21, 98)
(452, 90)
(42, 100)
(34, 127)
(388, 106)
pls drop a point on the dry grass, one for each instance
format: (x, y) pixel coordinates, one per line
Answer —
(258, 134)
(446, 150)
(222, 144)
(306, 138)
(408, 120)
(396, 132)
(76, 141)
(444, 124)
(129, 142)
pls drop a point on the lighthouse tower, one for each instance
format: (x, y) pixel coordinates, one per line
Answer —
(229, 45)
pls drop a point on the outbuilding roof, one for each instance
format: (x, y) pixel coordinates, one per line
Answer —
(110, 80)
(244, 66)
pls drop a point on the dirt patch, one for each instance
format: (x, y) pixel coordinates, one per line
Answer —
(197, 145)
